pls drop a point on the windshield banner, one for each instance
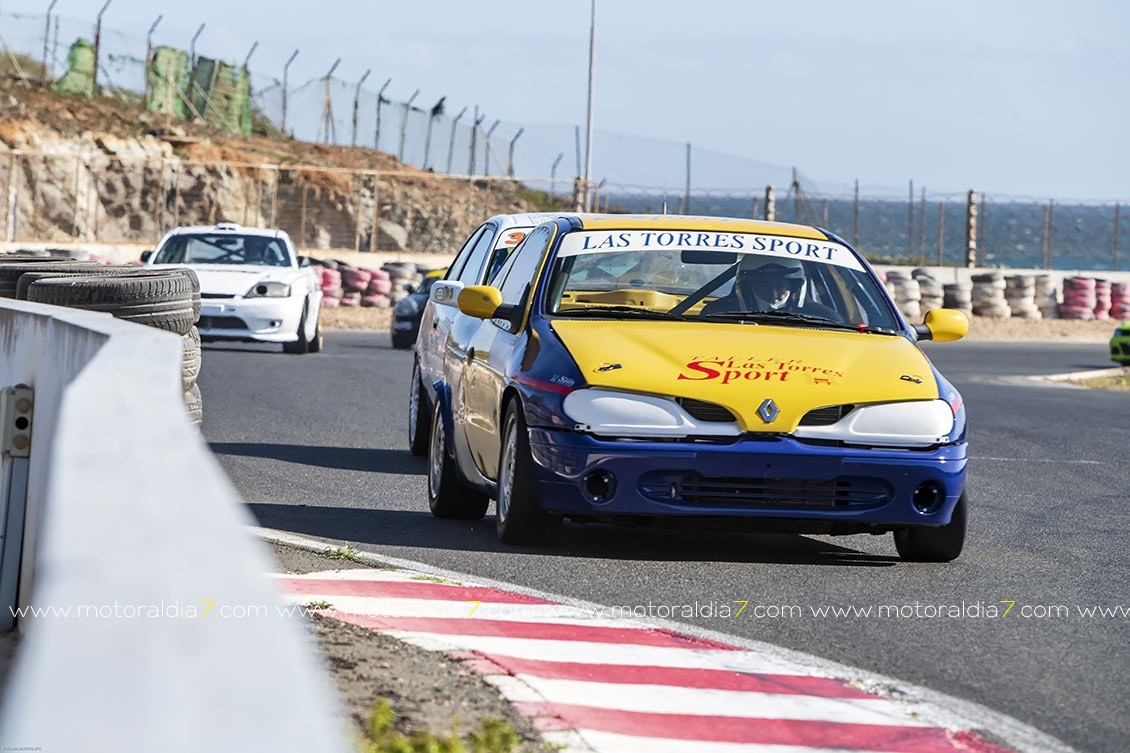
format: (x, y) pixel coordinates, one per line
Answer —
(615, 241)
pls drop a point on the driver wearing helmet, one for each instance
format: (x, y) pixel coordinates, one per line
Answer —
(770, 284)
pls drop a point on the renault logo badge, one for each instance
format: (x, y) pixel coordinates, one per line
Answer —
(768, 411)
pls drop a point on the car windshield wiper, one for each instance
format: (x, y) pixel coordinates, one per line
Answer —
(792, 317)
(619, 311)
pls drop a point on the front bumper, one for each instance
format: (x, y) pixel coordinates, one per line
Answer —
(772, 478)
(273, 320)
(1120, 349)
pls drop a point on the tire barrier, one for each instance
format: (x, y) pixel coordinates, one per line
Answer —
(1047, 298)
(1120, 301)
(346, 285)
(164, 299)
(932, 291)
(906, 292)
(1102, 299)
(1078, 298)
(988, 297)
(958, 295)
(1020, 292)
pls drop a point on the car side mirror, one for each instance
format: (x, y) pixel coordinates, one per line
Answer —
(943, 325)
(409, 289)
(480, 301)
(446, 292)
(145, 255)
(303, 261)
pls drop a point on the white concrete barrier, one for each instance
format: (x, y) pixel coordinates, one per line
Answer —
(135, 545)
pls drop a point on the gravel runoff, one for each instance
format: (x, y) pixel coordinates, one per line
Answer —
(427, 690)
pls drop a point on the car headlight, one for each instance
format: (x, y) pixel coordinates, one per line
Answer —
(626, 414)
(919, 423)
(268, 290)
(407, 308)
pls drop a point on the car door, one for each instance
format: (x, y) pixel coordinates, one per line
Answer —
(436, 322)
(491, 348)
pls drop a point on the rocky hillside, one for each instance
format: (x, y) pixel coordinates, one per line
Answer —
(95, 170)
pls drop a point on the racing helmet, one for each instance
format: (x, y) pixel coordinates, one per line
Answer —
(770, 281)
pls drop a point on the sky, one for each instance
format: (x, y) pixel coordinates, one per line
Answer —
(1014, 98)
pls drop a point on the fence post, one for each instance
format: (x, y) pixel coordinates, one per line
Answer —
(404, 125)
(1049, 225)
(971, 229)
(357, 103)
(149, 59)
(687, 190)
(770, 204)
(510, 160)
(47, 38)
(910, 221)
(97, 48)
(380, 101)
(376, 212)
(855, 217)
(941, 231)
(1117, 207)
(451, 144)
(302, 215)
(285, 85)
(922, 229)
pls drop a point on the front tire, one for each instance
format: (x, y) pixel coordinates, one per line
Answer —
(418, 424)
(940, 544)
(447, 498)
(301, 345)
(518, 518)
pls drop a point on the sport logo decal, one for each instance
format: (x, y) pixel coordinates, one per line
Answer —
(751, 369)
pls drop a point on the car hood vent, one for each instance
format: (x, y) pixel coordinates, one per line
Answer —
(826, 416)
(704, 411)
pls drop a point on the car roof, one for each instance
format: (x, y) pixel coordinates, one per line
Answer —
(229, 227)
(530, 219)
(696, 222)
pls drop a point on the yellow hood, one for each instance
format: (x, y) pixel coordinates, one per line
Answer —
(739, 365)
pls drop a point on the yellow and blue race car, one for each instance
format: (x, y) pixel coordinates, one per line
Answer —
(632, 369)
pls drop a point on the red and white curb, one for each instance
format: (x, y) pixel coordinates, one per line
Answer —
(592, 682)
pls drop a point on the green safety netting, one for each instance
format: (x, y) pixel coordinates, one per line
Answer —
(168, 74)
(221, 94)
(79, 78)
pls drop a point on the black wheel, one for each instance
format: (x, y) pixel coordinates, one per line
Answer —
(301, 345)
(447, 498)
(194, 405)
(519, 520)
(164, 301)
(402, 340)
(318, 339)
(190, 360)
(940, 544)
(419, 426)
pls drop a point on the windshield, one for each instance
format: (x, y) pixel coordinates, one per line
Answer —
(711, 276)
(223, 248)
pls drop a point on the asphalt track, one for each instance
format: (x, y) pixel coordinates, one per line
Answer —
(315, 444)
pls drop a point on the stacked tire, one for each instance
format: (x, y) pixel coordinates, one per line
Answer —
(400, 275)
(1120, 301)
(1047, 298)
(906, 292)
(330, 284)
(958, 295)
(1078, 298)
(1020, 292)
(931, 290)
(1102, 299)
(167, 300)
(988, 296)
(377, 292)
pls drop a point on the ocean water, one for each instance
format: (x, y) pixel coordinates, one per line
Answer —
(1010, 234)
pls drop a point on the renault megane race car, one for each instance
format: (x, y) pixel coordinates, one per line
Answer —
(254, 286)
(630, 369)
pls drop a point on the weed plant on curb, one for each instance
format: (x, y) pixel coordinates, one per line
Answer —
(490, 736)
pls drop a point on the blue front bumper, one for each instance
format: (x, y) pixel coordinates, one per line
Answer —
(771, 478)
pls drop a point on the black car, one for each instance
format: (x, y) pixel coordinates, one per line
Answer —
(406, 315)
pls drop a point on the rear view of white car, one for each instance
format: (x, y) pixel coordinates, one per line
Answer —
(253, 285)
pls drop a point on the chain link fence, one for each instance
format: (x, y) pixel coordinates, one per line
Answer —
(77, 198)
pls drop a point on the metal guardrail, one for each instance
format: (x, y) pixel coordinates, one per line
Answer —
(131, 530)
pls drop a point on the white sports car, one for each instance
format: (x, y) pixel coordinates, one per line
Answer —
(253, 285)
